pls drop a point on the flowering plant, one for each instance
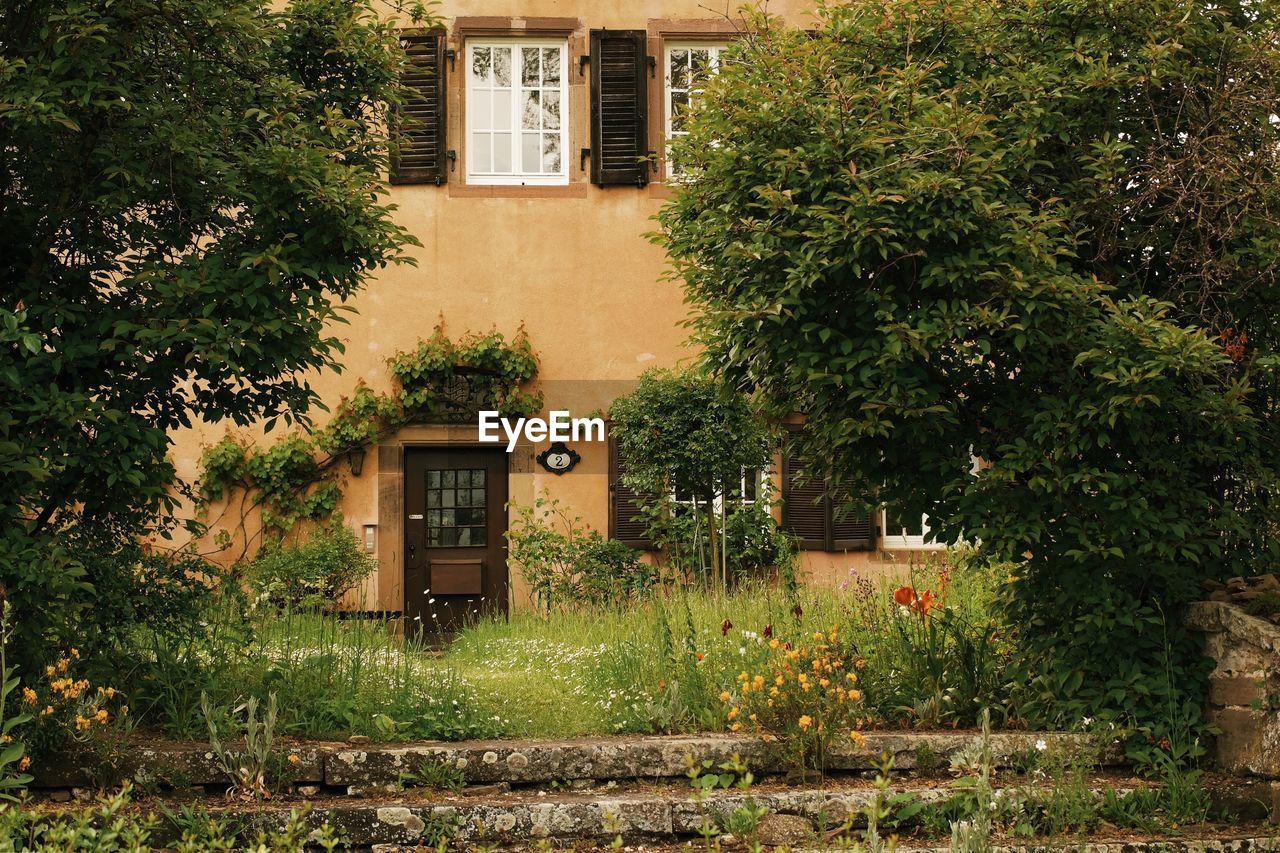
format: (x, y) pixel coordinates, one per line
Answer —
(805, 696)
(70, 710)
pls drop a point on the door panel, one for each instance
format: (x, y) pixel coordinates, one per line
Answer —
(455, 544)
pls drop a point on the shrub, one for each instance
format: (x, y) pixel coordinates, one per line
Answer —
(314, 574)
(565, 563)
(805, 694)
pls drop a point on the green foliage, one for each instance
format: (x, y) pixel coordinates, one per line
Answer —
(314, 574)
(294, 480)
(435, 773)
(245, 767)
(681, 433)
(171, 259)
(13, 759)
(953, 229)
(566, 564)
(493, 371)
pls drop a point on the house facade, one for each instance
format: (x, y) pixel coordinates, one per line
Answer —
(536, 162)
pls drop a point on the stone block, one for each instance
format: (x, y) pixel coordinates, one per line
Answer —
(1227, 690)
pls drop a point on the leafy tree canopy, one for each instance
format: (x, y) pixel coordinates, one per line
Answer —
(1042, 233)
(190, 189)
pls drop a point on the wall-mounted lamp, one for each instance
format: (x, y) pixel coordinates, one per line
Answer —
(355, 458)
(370, 538)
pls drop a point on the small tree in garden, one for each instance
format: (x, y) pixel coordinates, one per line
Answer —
(1045, 234)
(681, 433)
(190, 189)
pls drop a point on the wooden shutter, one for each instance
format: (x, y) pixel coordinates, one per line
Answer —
(811, 514)
(619, 108)
(625, 523)
(421, 121)
(804, 506)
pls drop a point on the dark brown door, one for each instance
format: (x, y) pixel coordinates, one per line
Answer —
(455, 548)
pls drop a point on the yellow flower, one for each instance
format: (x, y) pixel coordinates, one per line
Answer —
(823, 682)
(293, 758)
(773, 644)
(124, 710)
(63, 663)
(733, 713)
(758, 682)
(724, 696)
(28, 696)
(743, 676)
(101, 716)
(857, 738)
(805, 722)
(736, 727)
(75, 653)
(773, 691)
(24, 763)
(753, 718)
(860, 663)
(49, 671)
(802, 678)
(855, 695)
(48, 709)
(853, 678)
(111, 692)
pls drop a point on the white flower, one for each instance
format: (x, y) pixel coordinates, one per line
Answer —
(1087, 721)
(1041, 746)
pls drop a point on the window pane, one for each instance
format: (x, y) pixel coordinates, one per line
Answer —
(679, 111)
(530, 155)
(530, 71)
(481, 107)
(502, 66)
(501, 108)
(699, 66)
(751, 484)
(551, 152)
(532, 110)
(679, 69)
(550, 66)
(480, 65)
(481, 153)
(551, 112)
(502, 153)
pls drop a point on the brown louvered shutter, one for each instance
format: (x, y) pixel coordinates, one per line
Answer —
(421, 121)
(804, 506)
(625, 522)
(812, 515)
(850, 531)
(619, 108)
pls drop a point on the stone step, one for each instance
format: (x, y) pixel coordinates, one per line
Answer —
(532, 762)
(662, 813)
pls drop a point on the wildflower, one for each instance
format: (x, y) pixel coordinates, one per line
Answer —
(293, 758)
(758, 682)
(49, 671)
(853, 678)
(75, 653)
(742, 676)
(28, 696)
(101, 716)
(904, 596)
(48, 709)
(767, 633)
(855, 695)
(24, 763)
(860, 663)
(124, 710)
(804, 722)
(725, 627)
(724, 696)
(857, 738)
(733, 714)
(699, 656)
(773, 644)
(1041, 746)
(736, 727)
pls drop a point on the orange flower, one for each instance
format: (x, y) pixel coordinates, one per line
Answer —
(905, 596)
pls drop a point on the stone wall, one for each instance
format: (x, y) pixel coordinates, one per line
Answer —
(1244, 689)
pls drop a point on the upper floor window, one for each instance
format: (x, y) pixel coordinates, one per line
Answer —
(688, 67)
(516, 116)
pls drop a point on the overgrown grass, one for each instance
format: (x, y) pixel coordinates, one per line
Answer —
(654, 666)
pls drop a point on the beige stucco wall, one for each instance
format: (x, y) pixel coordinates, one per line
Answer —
(571, 264)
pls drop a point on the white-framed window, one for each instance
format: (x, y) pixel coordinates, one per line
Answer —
(752, 487)
(517, 121)
(906, 533)
(687, 68)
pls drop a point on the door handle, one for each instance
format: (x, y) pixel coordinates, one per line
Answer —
(413, 551)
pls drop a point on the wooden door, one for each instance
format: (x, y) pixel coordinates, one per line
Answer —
(455, 544)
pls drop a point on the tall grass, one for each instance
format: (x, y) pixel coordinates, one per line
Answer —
(650, 666)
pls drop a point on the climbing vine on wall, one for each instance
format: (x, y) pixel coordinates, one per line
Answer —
(295, 479)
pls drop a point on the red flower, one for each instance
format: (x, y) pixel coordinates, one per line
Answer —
(768, 631)
(725, 627)
(904, 595)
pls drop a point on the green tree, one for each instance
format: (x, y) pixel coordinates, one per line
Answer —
(1019, 231)
(190, 190)
(683, 433)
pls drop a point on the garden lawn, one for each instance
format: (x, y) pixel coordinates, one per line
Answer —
(928, 655)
